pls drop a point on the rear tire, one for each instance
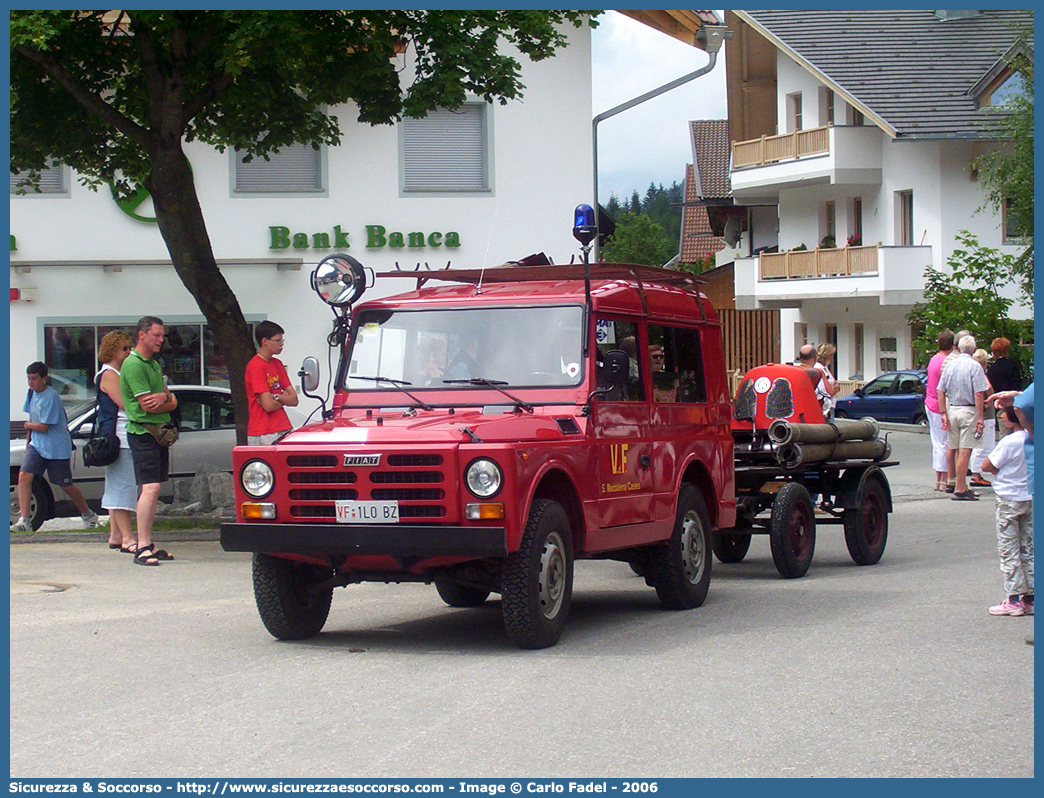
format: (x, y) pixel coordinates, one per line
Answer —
(537, 580)
(41, 502)
(866, 526)
(921, 420)
(680, 569)
(457, 595)
(792, 530)
(731, 548)
(290, 606)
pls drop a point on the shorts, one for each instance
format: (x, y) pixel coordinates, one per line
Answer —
(121, 493)
(265, 440)
(151, 461)
(59, 472)
(962, 427)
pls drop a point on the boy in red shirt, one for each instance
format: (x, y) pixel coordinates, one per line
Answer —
(268, 388)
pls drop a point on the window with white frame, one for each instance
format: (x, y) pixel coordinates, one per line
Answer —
(54, 180)
(447, 150)
(294, 169)
(889, 353)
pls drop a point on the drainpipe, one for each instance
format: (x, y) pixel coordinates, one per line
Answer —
(713, 36)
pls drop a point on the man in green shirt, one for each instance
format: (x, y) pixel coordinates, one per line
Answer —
(147, 400)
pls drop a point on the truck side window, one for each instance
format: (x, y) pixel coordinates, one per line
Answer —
(614, 334)
(677, 364)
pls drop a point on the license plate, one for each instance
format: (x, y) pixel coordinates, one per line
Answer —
(363, 512)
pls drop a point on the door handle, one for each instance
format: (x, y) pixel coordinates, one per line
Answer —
(644, 461)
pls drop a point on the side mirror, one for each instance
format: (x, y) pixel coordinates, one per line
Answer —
(857, 392)
(616, 367)
(84, 430)
(309, 375)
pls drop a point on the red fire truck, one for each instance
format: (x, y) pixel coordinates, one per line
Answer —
(490, 430)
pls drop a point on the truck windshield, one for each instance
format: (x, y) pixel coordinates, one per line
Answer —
(518, 347)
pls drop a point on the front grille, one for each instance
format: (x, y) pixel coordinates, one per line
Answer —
(311, 460)
(384, 477)
(317, 481)
(408, 494)
(323, 494)
(414, 459)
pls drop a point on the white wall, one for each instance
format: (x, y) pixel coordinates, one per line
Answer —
(541, 168)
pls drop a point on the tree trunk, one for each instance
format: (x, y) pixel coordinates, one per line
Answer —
(185, 233)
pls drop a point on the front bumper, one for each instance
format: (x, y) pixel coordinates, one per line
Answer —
(394, 540)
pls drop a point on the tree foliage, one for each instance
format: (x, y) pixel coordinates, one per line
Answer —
(1006, 174)
(638, 239)
(965, 296)
(115, 94)
(663, 208)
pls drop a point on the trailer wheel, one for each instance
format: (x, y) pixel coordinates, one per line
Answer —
(290, 606)
(731, 548)
(457, 595)
(792, 530)
(537, 580)
(680, 569)
(866, 526)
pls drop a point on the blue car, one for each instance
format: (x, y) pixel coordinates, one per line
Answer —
(896, 396)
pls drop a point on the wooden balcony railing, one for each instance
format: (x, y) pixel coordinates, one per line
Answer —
(770, 149)
(839, 262)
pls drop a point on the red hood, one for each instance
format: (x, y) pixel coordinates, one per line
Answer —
(435, 426)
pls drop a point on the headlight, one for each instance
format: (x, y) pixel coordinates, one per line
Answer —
(484, 478)
(257, 478)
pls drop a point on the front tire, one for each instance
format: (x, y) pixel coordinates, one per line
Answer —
(921, 420)
(866, 526)
(731, 548)
(457, 595)
(792, 530)
(289, 603)
(537, 581)
(680, 570)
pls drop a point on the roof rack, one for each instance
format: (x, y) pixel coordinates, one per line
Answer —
(512, 273)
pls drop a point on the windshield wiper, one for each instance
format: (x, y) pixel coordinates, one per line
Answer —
(398, 384)
(494, 384)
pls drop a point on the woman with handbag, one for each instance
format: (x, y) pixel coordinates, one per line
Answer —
(121, 491)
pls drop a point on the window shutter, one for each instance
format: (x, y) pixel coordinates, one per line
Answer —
(293, 169)
(446, 150)
(52, 181)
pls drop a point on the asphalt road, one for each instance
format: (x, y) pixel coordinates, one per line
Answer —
(891, 670)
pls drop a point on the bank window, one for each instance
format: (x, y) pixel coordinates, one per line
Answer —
(677, 364)
(613, 334)
(189, 356)
(54, 181)
(295, 169)
(447, 151)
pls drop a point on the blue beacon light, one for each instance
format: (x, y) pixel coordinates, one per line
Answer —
(584, 229)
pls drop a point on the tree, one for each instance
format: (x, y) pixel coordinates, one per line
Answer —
(1006, 174)
(116, 94)
(638, 239)
(965, 296)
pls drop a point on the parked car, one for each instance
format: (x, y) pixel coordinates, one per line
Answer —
(896, 396)
(208, 433)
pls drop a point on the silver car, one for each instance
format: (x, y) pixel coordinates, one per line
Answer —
(208, 433)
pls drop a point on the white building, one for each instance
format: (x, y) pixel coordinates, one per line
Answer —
(859, 126)
(478, 187)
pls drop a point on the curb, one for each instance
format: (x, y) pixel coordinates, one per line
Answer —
(178, 536)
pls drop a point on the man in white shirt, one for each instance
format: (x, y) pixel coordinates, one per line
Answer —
(962, 391)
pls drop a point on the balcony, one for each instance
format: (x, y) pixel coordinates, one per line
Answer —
(893, 275)
(823, 155)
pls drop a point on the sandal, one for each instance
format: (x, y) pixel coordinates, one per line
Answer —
(158, 554)
(115, 546)
(979, 482)
(965, 496)
(141, 557)
(129, 549)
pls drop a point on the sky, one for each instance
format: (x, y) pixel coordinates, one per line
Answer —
(650, 142)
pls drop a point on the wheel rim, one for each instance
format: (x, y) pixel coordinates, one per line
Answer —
(801, 532)
(872, 516)
(552, 576)
(693, 545)
(14, 505)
